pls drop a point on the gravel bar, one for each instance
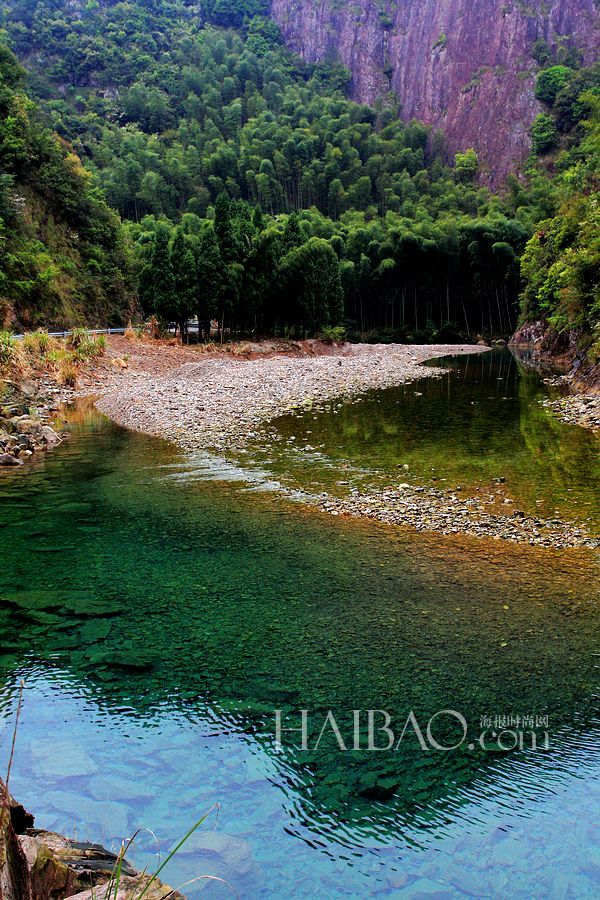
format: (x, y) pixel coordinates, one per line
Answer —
(219, 402)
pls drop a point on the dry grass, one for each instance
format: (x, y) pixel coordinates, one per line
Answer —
(67, 374)
(39, 354)
(13, 358)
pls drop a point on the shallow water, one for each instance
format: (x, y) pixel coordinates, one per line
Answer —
(480, 427)
(232, 602)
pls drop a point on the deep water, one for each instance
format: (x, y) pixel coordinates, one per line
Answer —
(160, 608)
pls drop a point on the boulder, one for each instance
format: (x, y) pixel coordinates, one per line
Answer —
(49, 436)
(6, 459)
(15, 882)
(38, 865)
(130, 888)
(26, 424)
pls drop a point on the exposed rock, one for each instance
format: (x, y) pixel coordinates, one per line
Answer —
(26, 424)
(545, 351)
(462, 65)
(24, 431)
(6, 459)
(50, 437)
(15, 882)
(59, 867)
(42, 865)
(130, 889)
(577, 410)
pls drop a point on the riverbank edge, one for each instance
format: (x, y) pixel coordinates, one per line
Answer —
(26, 413)
(35, 864)
(552, 352)
(168, 407)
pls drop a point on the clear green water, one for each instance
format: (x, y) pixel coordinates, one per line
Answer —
(479, 423)
(233, 601)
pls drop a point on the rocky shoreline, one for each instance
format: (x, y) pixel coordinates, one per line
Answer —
(217, 403)
(427, 509)
(549, 352)
(25, 430)
(39, 865)
(577, 409)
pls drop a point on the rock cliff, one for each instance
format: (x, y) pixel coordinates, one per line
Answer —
(462, 65)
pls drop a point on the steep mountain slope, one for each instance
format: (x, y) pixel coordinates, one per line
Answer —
(466, 66)
(63, 260)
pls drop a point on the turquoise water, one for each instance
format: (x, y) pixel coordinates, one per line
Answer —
(160, 609)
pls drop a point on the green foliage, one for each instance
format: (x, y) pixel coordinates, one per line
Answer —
(233, 13)
(544, 136)
(62, 255)
(466, 166)
(561, 263)
(38, 342)
(333, 334)
(7, 349)
(168, 114)
(310, 277)
(85, 345)
(254, 192)
(550, 82)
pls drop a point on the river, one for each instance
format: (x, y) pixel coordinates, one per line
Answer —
(161, 607)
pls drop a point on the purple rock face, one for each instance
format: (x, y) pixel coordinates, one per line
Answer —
(461, 65)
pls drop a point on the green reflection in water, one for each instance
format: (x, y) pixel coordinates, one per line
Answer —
(479, 423)
(122, 571)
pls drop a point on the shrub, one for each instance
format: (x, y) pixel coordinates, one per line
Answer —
(85, 345)
(67, 373)
(332, 334)
(551, 82)
(39, 343)
(543, 134)
(7, 349)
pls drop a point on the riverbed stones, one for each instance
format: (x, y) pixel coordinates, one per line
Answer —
(219, 404)
(216, 403)
(227, 855)
(7, 459)
(578, 409)
(24, 431)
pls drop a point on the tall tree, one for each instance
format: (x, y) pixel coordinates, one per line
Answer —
(160, 276)
(183, 265)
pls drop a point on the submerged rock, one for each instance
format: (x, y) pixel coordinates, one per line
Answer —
(38, 865)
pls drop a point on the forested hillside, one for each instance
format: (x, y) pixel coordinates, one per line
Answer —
(169, 112)
(561, 263)
(254, 192)
(63, 256)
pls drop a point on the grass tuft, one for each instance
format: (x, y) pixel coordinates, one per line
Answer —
(67, 373)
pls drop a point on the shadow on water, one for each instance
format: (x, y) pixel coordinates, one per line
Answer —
(160, 621)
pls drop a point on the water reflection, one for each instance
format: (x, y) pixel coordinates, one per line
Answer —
(160, 621)
(480, 427)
